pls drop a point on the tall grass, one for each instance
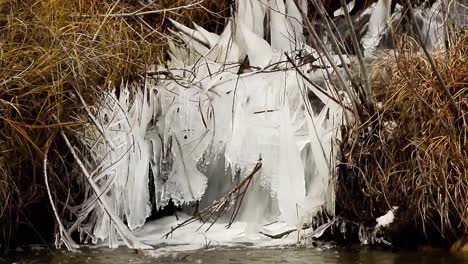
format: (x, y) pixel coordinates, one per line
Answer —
(413, 151)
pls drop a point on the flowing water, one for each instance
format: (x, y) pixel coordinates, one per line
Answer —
(232, 256)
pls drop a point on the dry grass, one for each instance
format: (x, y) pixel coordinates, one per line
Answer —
(413, 153)
(51, 51)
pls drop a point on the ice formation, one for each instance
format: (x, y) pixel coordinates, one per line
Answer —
(386, 219)
(429, 19)
(173, 130)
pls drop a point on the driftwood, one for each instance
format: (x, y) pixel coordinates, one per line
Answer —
(284, 233)
(318, 232)
(232, 200)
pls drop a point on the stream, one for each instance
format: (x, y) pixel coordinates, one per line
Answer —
(326, 255)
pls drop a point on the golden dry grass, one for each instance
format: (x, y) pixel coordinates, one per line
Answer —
(421, 163)
(52, 50)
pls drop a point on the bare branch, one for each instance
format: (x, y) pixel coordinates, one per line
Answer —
(130, 240)
(149, 12)
(63, 235)
(221, 206)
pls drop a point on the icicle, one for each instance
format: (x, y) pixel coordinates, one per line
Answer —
(185, 183)
(377, 25)
(290, 170)
(227, 50)
(252, 13)
(258, 50)
(211, 38)
(137, 182)
(130, 240)
(208, 113)
(294, 17)
(195, 35)
(363, 235)
(282, 38)
(196, 47)
(340, 11)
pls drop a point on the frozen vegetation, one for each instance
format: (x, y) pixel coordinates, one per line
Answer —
(199, 124)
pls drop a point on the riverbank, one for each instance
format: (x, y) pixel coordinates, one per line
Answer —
(64, 64)
(322, 254)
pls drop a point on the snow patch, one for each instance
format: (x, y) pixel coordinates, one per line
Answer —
(386, 219)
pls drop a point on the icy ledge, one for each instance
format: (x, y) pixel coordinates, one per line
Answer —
(191, 238)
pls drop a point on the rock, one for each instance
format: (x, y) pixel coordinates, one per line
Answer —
(460, 246)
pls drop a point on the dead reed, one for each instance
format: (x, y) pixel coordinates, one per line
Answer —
(413, 152)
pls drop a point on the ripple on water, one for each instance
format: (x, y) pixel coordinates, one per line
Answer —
(325, 255)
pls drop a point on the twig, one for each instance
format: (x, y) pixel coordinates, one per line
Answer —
(357, 47)
(63, 235)
(130, 240)
(143, 13)
(279, 235)
(285, 233)
(94, 120)
(313, 84)
(104, 20)
(221, 206)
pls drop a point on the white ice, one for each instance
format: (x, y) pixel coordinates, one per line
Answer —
(210, 118)
(386, 219)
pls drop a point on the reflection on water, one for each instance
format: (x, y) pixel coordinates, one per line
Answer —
(234, 256)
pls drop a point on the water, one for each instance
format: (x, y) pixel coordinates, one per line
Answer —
(234, 256)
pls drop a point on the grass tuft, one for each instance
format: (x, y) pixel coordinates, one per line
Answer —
(413, 152)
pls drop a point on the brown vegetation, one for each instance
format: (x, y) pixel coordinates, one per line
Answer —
(51, 53)
(413, 152)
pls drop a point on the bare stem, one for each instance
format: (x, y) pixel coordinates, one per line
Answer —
(130, 240)
(149, 12)
(63, 235)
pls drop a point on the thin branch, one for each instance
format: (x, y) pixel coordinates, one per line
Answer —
(314, 84)
(327, 55)
(63, 235)
(94, 120)
(285, 233)
(359, 54)
(221, 206)
(130, 240)
(143, 13)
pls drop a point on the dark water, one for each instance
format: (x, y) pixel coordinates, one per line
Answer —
(233, 256)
